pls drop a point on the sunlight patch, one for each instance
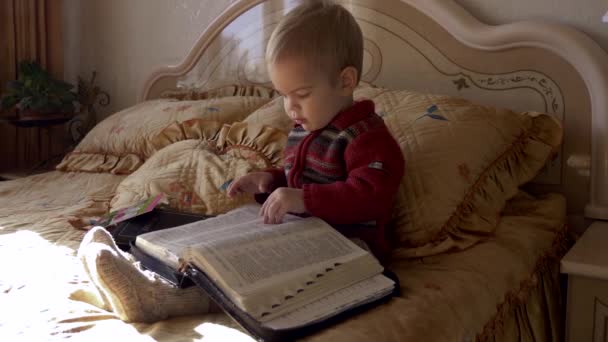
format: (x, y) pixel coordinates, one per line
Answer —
(34, 264)
(221, 332)
(36, 278)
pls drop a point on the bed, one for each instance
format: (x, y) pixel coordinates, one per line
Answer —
(483, 216)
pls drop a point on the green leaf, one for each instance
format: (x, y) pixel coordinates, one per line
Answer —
(25, 102)
(42, 105)
(36, 89)
(54, 102)
(68, 108)
(8, 102)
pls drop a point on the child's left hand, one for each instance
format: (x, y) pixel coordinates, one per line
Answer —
(282, 201)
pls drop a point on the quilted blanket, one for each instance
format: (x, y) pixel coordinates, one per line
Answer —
(473, 294)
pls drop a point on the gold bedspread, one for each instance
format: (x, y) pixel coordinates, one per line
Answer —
(500, 289)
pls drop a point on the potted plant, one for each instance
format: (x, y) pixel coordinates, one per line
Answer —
(36, 95)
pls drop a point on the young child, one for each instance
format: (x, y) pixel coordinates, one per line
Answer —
(341, 163)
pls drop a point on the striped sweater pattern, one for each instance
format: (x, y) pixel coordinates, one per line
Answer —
(324, 152)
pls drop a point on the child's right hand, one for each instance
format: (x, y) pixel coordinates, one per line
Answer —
(252, 183)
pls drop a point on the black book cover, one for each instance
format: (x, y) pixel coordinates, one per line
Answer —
(126, 232)
(263, 333)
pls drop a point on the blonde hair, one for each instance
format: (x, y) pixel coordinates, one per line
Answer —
(322, 31)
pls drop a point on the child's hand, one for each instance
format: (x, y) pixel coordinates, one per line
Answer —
(282, 201)
(252, 183)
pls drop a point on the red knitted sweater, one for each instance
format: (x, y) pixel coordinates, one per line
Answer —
(349, 170)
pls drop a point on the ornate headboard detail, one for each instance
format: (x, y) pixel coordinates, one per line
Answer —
(435, 46)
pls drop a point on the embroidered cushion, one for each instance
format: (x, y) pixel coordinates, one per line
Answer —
(121, 143)
(224, 91)
(463, 162)
(272, 114)
(195, 170)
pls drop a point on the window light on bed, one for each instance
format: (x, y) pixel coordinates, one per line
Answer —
(605, 18)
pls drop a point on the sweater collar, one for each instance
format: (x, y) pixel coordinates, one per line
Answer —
(347, 117)
(355, 113)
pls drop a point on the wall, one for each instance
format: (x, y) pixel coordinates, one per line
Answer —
(125, 40)
(584, 15)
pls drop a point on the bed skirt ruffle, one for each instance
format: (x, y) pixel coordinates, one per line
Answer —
(534, 311)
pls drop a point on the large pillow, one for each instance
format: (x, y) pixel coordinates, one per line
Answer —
(272, 114)
(224, 91)
(121, 143)
(194, 173)
(463, 162)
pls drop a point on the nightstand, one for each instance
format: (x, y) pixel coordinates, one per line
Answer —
(587, 267)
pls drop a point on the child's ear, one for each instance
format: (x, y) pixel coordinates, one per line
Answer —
(348, 78)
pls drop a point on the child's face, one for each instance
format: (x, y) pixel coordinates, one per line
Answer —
(310, 99)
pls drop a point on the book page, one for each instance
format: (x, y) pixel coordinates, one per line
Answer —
(244, 250)
(253, 262)
(169, 244)
(252, 252)
(342, 300)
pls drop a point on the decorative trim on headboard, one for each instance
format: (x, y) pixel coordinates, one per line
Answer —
(543, 84)
(580, 51)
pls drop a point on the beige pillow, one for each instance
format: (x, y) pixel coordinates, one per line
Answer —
(463, 162)
(195, 173)
(121, 143)
(272, 114)
(228, 90)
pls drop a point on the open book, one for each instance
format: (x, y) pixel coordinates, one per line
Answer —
(283, 276)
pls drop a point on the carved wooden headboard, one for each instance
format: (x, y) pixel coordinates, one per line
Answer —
(435, 46)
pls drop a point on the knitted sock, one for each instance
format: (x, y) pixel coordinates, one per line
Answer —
(137, 295)
(100, 235)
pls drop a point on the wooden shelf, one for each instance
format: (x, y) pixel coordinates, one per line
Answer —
(40, 121)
